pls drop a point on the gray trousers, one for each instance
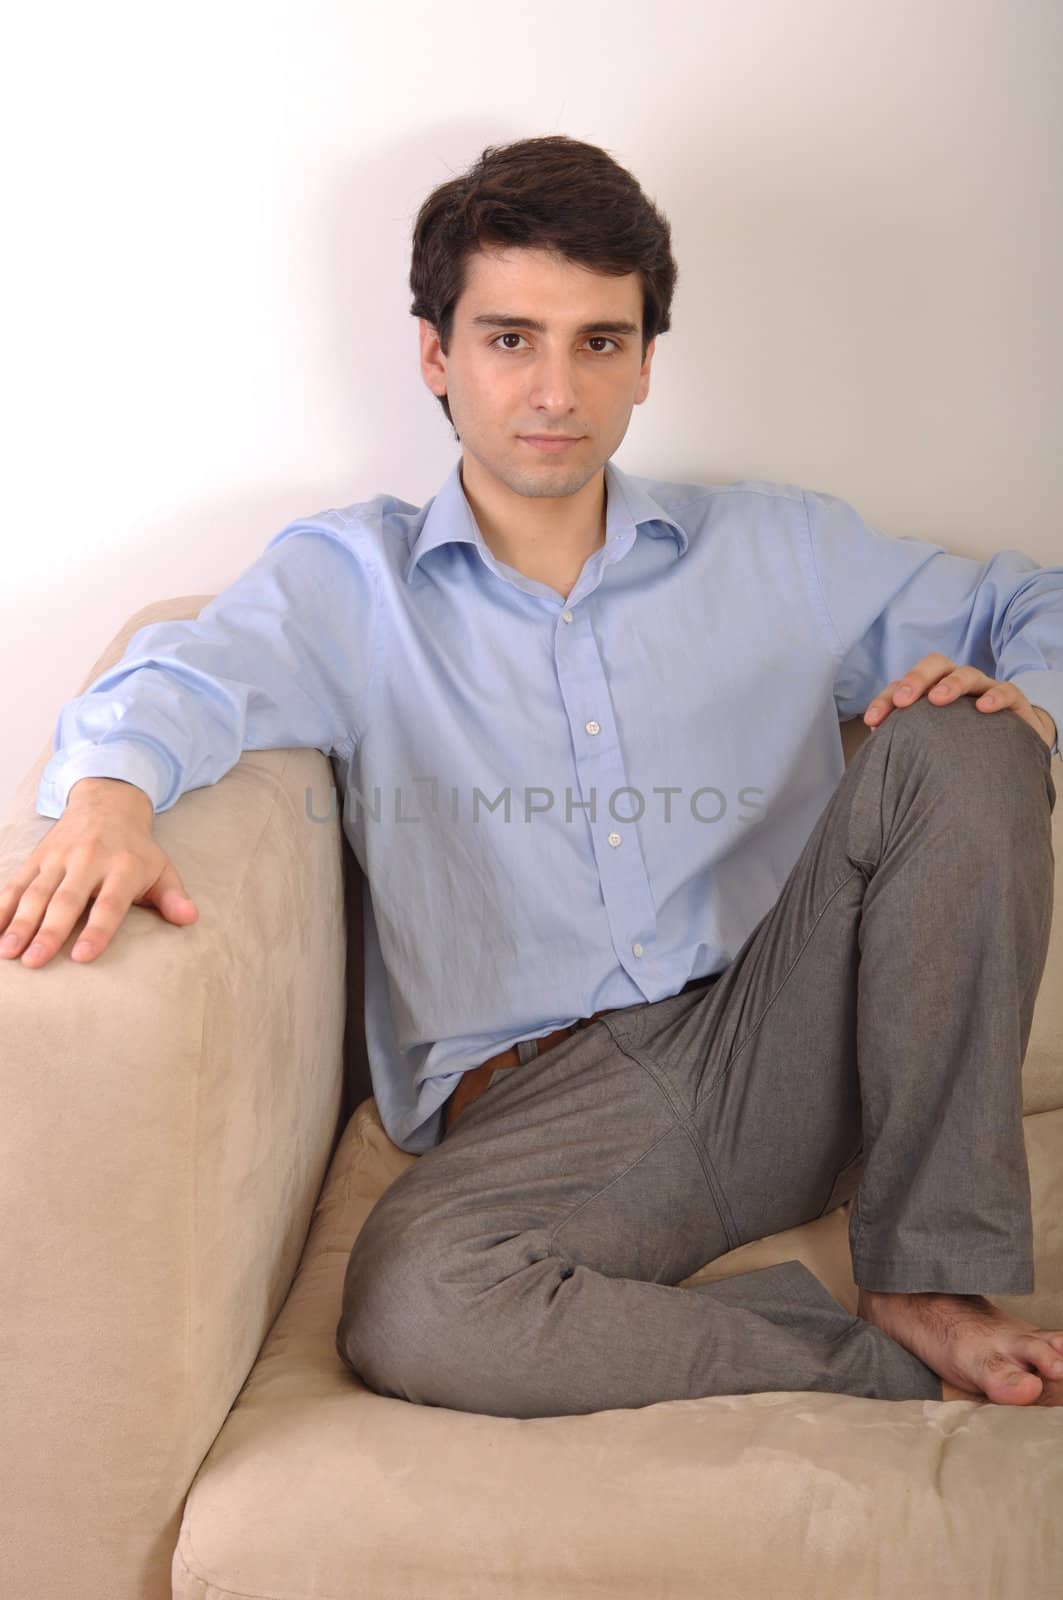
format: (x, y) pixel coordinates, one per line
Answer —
(867, 1038)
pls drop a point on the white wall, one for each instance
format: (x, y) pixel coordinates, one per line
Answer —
(205, 312)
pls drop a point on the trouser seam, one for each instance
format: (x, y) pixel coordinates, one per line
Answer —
(667, 1094)
(685, 1120)
(634, 1054)
(723, 1208)
(564, 1222)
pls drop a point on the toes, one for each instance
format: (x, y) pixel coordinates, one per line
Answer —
(1039, 1351)
(1008, 1384)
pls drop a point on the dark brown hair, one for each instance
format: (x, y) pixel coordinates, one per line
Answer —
(551, 193)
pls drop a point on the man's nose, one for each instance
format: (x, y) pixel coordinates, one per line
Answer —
(554, 385)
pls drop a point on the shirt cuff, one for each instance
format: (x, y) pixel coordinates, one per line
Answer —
(128, 759)
(1044, 689)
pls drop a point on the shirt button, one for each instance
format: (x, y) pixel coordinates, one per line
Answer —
(593, 727)
(636, 949)
(566, 616)
(614, 839)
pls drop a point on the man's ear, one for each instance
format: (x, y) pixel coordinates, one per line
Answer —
(433, 361)
(643, 387)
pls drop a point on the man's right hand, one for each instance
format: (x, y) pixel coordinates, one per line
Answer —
(102, 848)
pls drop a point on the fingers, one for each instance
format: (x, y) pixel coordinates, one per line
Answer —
(98, 851)
(168, 893)
(53, 901)
(933, 677)
(108, 912)
(953, 686)
(62, 903)
(22, 901)
(882, 704)
(901, 692)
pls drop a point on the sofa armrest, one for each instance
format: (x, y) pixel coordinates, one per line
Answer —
(170, 1110)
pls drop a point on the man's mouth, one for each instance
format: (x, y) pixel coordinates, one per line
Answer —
(552, 443)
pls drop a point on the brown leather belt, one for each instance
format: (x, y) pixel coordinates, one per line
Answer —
(474, 1081)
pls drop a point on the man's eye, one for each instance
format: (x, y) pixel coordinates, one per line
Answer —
(597, 338)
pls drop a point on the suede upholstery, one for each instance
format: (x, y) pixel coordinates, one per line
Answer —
(190, 1146)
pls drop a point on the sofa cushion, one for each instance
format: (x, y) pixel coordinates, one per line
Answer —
(318, 1489)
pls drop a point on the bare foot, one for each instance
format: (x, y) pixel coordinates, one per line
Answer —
(978, 1351)
(1051, 1394)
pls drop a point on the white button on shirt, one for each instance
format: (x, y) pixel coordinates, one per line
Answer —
(717, 636)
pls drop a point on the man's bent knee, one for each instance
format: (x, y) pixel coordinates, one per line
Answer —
(394, 1311)
(992, 756)
(446, 1323)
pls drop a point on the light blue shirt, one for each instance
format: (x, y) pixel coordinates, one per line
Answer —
(559, 805)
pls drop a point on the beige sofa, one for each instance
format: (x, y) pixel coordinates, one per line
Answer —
(190, 1147)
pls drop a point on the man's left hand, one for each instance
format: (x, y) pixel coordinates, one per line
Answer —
(941, 680)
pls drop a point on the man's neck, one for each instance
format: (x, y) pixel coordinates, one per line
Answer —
(545, 537)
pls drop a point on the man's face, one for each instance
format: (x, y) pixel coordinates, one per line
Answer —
(540, 349)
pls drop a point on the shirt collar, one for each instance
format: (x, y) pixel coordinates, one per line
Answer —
(629, 506)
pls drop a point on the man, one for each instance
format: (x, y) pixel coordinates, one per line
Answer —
(649, 972)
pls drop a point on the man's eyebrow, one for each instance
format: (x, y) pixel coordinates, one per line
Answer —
(497, 319)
